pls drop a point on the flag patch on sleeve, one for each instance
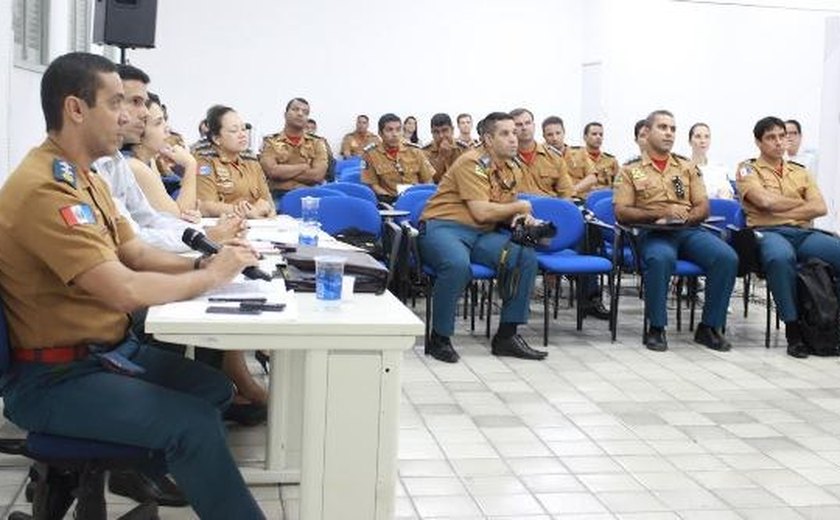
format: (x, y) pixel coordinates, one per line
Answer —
(77, 214)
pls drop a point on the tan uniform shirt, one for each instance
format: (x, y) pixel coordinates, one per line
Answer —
(473, 177)
(547, 174)
(793, 181)
(442, 161)
(56, 223)
(641, 185)
(409, 167)
(581, 164)
(352, 144)
(279, 149)
(223, 180)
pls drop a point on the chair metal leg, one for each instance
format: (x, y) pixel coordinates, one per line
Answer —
(767, 327)
(579, 307)
(466, 299)
(679, 303)
(747, 287)
(692, 293)
(558, 279)
(473, 304)
(489, 306)
(545, 312)
(428, 335)
(614, 285)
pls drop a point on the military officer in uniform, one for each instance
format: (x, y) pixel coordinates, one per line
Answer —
(230, 179)
(592, 169)
(544, 170)
(458, 226)
(443, 150)
(554, 134)
(780, 199)
(394, 162)
(292, 158)
(65, 248)
(465, 126)
(354, 142)
(659, 188)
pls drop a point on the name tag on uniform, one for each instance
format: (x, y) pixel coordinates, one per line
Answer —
(77, 214)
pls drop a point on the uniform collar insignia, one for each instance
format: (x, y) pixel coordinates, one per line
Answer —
(64, 172)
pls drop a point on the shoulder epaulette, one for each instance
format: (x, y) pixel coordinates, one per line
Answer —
(272, 136)
(554, 149)
(575, 147)
(631, 161)
(207, 151)
(798, 164)
(517, 161)
(428, 146)
(681, 157)
(316, 136)
(463, 145)
(249, 154)
(605, 154)
(368, 147)
(412, 145)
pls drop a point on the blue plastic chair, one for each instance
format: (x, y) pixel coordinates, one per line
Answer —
(408, 201)
(351, 175)
(427, 274)
(350, 163)
(339, 213)
(556, 257)
(83, 459)
(419, 187)
(352, 189)
(290, 204)
(595, 196)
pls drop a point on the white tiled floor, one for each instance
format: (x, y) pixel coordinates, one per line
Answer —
(603, 430)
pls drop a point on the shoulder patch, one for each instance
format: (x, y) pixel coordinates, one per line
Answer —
(745, 169)
(77, 214)
(605, 154)
(485, 161)
(64, 172)
(368, 147)
(204, 170)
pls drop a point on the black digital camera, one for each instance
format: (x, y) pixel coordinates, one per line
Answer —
(532, 235)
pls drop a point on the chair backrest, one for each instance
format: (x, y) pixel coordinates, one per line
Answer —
(352, 189)
(419, 187)
(605, 212)
(596, 196)
(408, 200)
(340, 213)
(566, 218)
(726, 208)
(418, 203)
(350, 163)
(527, 196)
(351, 175)
(290, 205)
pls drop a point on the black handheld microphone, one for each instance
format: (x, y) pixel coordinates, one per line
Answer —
(198, 241)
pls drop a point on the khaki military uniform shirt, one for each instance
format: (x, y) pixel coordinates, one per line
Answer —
(410, 167)
(440, 161)
(352, 145)
(581, 164)
(279, 149)
(57, 221)
(792, 181)
(640, 184)
(223, 180)
(473, 177)
(547, 174)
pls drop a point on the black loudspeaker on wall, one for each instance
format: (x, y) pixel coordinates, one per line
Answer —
(125, 23)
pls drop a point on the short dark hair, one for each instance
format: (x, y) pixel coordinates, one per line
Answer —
(154, 99)
(516, 112)
(362, 115)
(553, 120)
(462, 116)
(214, 120)
(74, 74)
(441, 119)
(653, 115)
(312, 121)
(298, 99)
(765, 124)
(637, 128)
(388, 118)
(795, 123)
(590, 125)
(488, 124)
(694, 127)
(130, 72)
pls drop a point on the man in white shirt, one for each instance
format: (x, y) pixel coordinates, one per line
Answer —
(794, 151)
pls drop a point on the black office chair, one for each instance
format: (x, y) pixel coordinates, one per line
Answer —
(68, 470)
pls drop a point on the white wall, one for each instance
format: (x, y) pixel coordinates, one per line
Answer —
(829, 160)
(6, 53)
(722, 64)
(402, 56)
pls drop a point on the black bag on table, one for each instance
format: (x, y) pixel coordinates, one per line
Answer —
(371, 276)
(816, 303)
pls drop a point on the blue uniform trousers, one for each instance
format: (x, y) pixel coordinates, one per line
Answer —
(660, 250)
(449, 247)
(174, 407)
(781, 248)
